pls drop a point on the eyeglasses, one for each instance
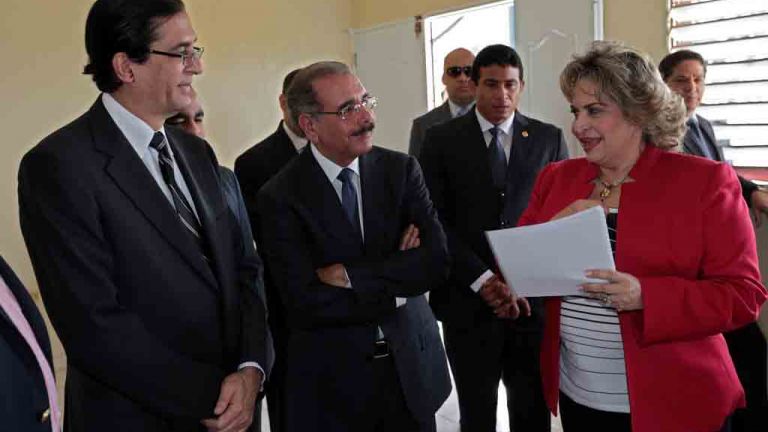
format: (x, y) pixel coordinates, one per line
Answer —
(455, 71)
(186, 56)
(369, 103)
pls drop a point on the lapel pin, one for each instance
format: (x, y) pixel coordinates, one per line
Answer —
(525, 134)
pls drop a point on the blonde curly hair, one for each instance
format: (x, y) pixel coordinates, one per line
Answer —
(630, 79)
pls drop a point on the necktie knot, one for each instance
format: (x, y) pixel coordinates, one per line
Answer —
(494, 132)
(158, 142)
(345, 176)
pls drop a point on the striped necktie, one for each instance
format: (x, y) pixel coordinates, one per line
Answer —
(183, 208)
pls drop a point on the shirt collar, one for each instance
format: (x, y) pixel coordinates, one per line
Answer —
(298, 142)
(330, 168)
(456, 108)
(505, 126)
(136, 131)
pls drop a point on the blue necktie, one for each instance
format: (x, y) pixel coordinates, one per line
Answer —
(497, 159)
(349, 199)
(698, 138)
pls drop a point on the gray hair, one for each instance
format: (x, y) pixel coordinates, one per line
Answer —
(301, 96)
(630, 79)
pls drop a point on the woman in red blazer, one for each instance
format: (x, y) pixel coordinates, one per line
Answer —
(644, 350)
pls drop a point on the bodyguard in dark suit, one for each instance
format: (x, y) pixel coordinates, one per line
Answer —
(363, 350)
(137, 256)
(480, 169)
(254, 168)
(684, 72)
(457, 69)
(28, 396)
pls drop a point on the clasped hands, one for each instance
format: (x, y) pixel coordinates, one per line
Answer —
(336, 274)
(235, 407)
(504, 302)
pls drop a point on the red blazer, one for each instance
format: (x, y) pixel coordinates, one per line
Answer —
(684, 231)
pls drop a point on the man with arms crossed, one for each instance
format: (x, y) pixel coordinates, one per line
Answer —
(137, 256)
(352, 242)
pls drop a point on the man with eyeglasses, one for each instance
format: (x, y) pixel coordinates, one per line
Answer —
(457, 70)
(480, 169)
(138, 259)
(352, 243)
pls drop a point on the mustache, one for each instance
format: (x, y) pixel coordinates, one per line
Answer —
(364, 129)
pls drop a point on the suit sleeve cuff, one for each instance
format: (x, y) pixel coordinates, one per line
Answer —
(478, 283)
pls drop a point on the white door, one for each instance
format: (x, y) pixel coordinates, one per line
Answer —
(390, 63)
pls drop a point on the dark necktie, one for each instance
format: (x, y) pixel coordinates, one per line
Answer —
(698, 139)
(497, 159)
(183, 208)
(349, 199)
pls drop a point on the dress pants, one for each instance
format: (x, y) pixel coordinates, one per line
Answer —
(481, 356)
(390, 410)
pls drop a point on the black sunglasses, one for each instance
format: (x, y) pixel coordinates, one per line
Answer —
(455, 71)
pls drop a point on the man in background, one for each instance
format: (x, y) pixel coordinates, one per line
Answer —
(254, 168)
(480, 169)
(191, 121)
(685, 72)
(457, 70)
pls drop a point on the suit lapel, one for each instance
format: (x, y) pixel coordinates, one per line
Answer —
(709, 135)
(131, 176)
(321, 199)
(690, 145)
(472, 150)
(374, 195)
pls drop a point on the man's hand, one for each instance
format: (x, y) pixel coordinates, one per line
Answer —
(237, 401)
(759, 202)
(410, 239)
(334, 274)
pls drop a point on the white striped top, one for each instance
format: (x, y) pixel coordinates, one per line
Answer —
(592, 368)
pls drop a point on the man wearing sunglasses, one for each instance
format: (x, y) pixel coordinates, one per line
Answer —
(457, 70)
(139, 261)
(352, 243)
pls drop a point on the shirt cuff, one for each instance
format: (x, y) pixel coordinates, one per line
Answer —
(244, 365)
(400, 301)
(477, 284)
(346, 276)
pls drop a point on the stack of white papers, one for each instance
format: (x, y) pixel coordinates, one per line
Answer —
(549, 259)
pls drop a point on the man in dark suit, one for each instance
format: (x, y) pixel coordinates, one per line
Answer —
(684, 72)
(363, 350)
(28, 396)
(457, 69)
(480, 169)
(137, 256)
(190, 120)
(253, 169)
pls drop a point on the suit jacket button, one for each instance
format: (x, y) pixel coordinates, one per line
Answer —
(45, 416)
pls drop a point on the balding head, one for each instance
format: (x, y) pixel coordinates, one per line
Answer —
(457, 68)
